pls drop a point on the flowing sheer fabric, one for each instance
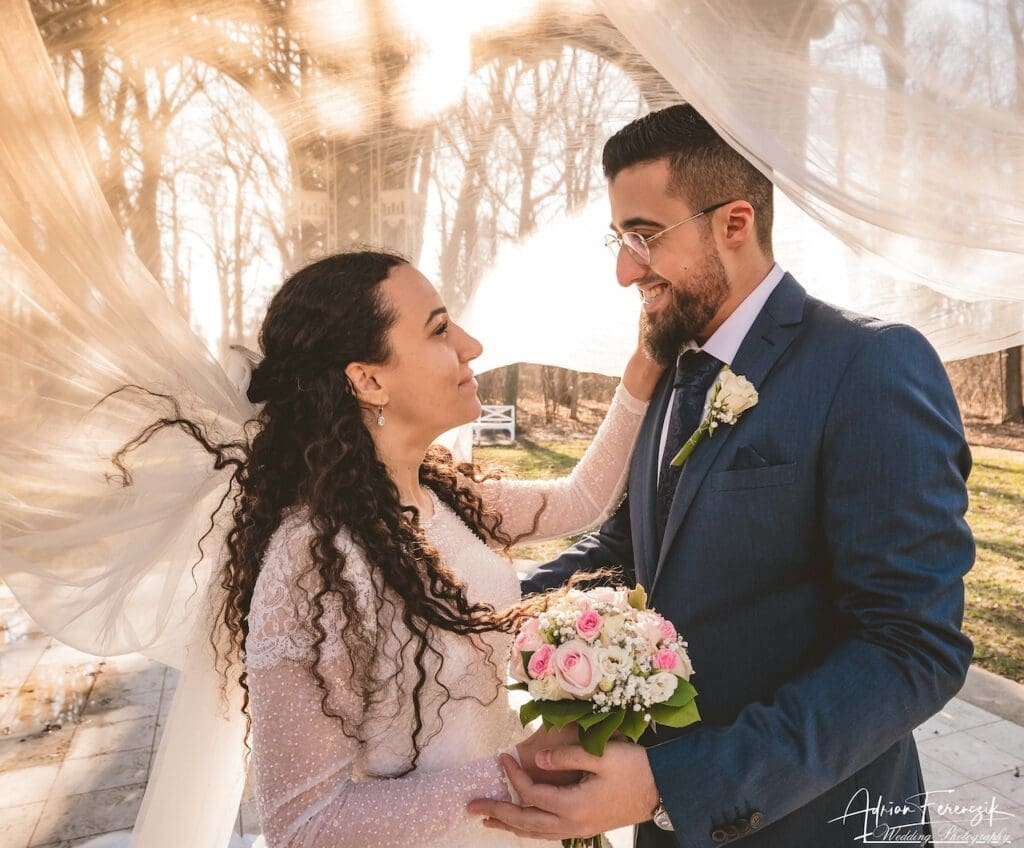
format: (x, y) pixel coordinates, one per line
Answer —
(158, 157)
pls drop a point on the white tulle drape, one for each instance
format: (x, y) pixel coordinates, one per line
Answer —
(893, 131)
(104, 568)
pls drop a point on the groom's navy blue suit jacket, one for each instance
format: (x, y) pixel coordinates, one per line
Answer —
(813, 559)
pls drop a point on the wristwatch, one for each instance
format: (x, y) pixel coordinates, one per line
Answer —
(661, 818)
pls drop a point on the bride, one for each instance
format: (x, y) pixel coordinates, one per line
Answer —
(364, 572)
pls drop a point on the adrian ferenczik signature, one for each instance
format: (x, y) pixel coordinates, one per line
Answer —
(950, 820)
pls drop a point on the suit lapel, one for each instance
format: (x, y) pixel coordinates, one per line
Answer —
(774, 329)
(643, 481)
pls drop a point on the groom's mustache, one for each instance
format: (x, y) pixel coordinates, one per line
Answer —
(651, 278)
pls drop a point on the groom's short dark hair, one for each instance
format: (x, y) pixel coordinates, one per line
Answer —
(705, 170)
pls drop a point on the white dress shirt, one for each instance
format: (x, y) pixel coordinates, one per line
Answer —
(726, 340)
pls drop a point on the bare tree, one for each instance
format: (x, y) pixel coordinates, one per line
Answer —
(519, 154)
(233, 189)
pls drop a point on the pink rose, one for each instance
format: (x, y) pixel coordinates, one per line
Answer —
(665, 660)
(668, 630)
(529, 637)
(541, 661)
(577, 668)
(589, 624)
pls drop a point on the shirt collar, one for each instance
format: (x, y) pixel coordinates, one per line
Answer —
(726, 340)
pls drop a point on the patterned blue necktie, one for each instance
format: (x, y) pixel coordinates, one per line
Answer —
(695, 372)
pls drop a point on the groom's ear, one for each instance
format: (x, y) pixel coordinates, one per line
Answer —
(739, 224)
(365, 387)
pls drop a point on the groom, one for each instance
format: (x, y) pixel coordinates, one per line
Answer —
(812, 553)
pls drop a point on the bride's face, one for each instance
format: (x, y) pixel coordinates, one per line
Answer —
(428, 379)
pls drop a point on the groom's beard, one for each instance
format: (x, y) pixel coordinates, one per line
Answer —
(687, 312)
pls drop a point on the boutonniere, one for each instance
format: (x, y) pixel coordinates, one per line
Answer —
(731, 396)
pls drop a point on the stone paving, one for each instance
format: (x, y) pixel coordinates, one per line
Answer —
(78, 735)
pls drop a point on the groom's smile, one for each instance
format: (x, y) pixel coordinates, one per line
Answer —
(652, 296)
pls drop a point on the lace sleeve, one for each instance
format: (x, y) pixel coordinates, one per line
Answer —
(584, 499)
(307, 770)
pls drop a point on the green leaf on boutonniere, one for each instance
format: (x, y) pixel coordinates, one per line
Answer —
(596, 737)
(691, 443)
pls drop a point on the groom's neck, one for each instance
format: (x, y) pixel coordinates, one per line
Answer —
(741, 283)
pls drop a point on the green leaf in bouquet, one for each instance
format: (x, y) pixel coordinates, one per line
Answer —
(596, 737)
(561, 713)
(683, 695)
(633, 725)
(591, 720)
(638, 598)
(529, 711)
(675, 716)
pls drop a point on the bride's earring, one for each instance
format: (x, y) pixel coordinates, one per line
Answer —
(380, 416)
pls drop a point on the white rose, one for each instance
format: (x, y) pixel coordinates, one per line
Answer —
(613, 660)
(685, 667)
(661, 685)
(611, 628)
(614, 598)
(547, 689)
(573, 598)
(736, 394)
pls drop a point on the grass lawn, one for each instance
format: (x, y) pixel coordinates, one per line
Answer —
(535, 461)
(994, 617)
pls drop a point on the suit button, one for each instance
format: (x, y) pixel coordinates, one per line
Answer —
(756, 819)
(742, 826)
(718, 836)
(731, 832)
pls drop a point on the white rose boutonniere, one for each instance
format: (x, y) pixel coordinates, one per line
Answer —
(731, 396)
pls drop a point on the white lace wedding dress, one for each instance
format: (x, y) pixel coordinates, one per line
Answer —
(317, 787)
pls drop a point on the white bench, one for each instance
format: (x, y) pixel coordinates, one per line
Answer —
(496, 418)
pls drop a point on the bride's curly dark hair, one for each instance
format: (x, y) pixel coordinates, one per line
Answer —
(309, 448)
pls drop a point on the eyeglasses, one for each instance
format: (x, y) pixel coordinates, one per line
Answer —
(638, 244)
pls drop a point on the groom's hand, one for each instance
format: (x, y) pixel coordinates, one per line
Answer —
(617, 790)
(542, 740)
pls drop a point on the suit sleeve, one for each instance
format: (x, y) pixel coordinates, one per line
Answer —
(894, 469)
(611, 545)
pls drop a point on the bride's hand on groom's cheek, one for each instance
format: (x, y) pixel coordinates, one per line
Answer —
(545, 740)
(642, 373)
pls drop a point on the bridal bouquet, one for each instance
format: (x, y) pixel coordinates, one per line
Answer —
(602, 660)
